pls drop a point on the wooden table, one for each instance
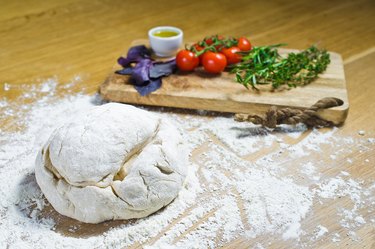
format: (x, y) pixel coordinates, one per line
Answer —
(63, 39)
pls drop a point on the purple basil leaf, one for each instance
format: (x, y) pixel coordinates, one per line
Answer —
(138, 51)
(123, 61)
(125, 71)
(145, 75)
(153, 85)
(159, 69)
(141, 72)
(135, 54)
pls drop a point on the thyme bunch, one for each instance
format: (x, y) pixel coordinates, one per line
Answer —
(264, 65)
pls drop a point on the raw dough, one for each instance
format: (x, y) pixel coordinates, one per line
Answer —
(115, 162)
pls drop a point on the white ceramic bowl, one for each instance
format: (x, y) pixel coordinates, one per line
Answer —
(165, 46)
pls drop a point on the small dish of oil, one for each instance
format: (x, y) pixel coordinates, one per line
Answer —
(165, 40)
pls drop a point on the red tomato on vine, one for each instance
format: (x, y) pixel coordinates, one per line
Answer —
(186, 60)
(232, 54)
(214, 62)
(244, 44)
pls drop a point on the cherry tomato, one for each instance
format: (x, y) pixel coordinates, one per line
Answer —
(231, 54)
(219, 48)
(197, 47)
(186, 60)
(244, 44)
(214, 62)
(209, 40)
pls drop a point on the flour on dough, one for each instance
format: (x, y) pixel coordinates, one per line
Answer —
(115, 162)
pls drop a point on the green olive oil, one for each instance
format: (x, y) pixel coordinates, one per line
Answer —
(165, 33)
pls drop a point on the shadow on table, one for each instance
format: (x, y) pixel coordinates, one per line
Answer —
(35, 206)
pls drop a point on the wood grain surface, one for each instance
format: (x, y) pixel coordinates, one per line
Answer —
(202, 91)
(65, 39)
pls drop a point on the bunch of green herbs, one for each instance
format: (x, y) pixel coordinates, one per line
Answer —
(264, 65)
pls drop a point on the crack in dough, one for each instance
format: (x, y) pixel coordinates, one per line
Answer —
(132, 155)
(115, 162)
(163, 169)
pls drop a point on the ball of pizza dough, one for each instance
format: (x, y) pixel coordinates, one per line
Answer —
(114, 162)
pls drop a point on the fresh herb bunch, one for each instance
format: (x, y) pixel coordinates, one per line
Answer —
(264, 65)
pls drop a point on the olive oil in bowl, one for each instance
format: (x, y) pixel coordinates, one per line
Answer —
(165, 40)
(165, 33)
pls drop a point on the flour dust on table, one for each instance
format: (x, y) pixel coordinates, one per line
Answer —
(243, 182)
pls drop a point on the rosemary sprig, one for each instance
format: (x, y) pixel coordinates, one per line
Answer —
(264, 65)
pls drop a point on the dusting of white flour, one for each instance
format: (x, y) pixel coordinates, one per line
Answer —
(225, 196)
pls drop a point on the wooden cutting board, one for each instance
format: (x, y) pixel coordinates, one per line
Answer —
(221, 93)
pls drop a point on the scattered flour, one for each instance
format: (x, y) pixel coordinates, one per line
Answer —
(320, 231)
(226, 196)
(242, 138)
(336, 238)
(310, 171)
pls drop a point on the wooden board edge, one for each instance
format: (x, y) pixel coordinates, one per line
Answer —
(337, 115)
